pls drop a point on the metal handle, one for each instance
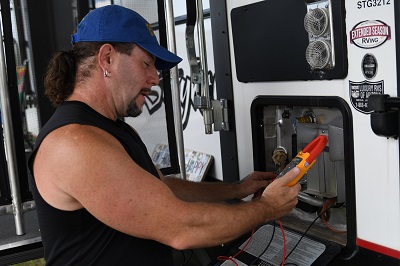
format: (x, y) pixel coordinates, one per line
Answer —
(198, 65)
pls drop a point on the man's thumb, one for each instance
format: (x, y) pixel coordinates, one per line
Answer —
(289, 176)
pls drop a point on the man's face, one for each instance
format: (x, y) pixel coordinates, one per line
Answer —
(138, 75)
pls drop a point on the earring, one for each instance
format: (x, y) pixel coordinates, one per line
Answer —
(106, 73)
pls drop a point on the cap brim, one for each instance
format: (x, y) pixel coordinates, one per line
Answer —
(164, 58)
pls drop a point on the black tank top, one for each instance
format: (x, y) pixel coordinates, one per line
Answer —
(77, 237)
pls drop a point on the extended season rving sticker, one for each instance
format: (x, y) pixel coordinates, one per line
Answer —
(370, 34)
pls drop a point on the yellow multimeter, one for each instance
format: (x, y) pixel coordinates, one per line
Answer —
(306, 158)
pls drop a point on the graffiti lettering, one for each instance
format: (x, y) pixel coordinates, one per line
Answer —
(186, 90)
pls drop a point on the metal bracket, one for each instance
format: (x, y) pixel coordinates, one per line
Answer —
(10, 208)
(201, 102)
(191, 53)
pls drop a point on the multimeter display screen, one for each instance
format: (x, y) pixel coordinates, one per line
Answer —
(290, 166)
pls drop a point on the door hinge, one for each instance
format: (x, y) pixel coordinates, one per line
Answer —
(220, 114)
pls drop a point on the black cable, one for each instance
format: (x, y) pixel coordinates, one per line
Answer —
(265, 249)
(305, 233)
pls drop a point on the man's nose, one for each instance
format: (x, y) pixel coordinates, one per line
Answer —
(153, 77)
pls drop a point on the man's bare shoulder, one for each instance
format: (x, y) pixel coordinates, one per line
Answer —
(80, 147)
(70, 156)
(76, 133)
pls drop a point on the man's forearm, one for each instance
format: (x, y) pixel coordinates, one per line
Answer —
(204, 191)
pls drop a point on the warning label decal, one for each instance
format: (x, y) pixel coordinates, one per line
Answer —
(360, 91)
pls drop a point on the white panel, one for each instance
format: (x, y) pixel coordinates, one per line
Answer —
(376, 158)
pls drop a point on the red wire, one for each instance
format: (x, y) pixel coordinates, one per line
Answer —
(228, 258)
(327, 203)
(284, 243)
(240, 251)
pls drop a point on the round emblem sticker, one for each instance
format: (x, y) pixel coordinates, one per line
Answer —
(370, 34)
(369, 66)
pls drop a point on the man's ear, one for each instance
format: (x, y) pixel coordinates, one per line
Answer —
(104, 56)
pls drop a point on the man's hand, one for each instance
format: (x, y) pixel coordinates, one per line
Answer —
(254, 183)
(279, 197)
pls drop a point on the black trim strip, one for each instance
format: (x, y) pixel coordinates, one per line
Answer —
(223, 77)
(173, 150)
(191, 13)
(397, 34)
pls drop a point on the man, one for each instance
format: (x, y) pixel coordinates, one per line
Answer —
(100, 199)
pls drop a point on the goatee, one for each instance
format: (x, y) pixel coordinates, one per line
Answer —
(133, 109)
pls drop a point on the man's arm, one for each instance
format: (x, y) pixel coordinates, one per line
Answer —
(80, 166)
(218, 191)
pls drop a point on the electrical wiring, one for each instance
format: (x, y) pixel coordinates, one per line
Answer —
(284, 243)
(232, 258)
(265, 249)
(229, 258)
(269, 243)
(285, 257)
(308, 228)
(330, 202)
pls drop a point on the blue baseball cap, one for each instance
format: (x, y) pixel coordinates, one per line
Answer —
(115, 23)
